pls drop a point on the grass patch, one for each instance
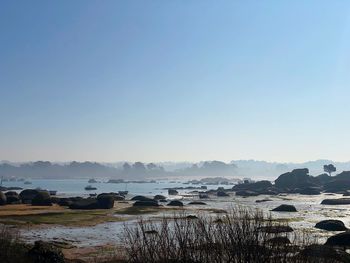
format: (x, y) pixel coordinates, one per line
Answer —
(287, 220)
(134, 210)
(67, 218)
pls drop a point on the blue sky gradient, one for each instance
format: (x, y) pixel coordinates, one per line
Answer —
(174, 80)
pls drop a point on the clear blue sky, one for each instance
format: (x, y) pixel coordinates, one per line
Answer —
(174, 80)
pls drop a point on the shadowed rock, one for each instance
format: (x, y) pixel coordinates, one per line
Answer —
(285, 208)
(279, 240)
(141, 198)
(322, 253)
(115, 196)
(84, 204)
(159, 197)
(172, 192)
(175, 203)
(331, 225)
(27, 195)
(298, 178)
(340, 240)
(45, 253)
(196, 203)
(310, 191)
(263, 200)
(246, 193)
(340, 201)
(105, 201)
(276, 229)
(337, 185)
(3, 198)
(260, 187)
(64, 202)
(12, 198)
(42, 198)
(222, 194)
(146, 203)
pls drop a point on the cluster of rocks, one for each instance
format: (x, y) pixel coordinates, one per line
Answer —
(296, 181)
(43, 198)
(28, 196)
(144, 201)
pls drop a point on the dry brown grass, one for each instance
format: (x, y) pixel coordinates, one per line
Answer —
(57, 215)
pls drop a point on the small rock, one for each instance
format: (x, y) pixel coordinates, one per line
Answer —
(175, 203)
(285, 208)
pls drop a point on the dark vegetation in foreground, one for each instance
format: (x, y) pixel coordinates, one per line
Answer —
(242, 235)
(12, 250)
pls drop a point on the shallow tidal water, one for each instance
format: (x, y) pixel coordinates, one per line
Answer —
(310, 210)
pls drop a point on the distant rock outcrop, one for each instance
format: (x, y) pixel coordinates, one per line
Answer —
(257, 186)
(298, 178)
(337, 185)
(310, 191)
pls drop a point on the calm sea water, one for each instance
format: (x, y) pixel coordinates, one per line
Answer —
(75, 187)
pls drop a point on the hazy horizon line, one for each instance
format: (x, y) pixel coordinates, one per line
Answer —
(183, 161)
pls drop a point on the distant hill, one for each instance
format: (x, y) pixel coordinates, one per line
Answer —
(138, 170)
